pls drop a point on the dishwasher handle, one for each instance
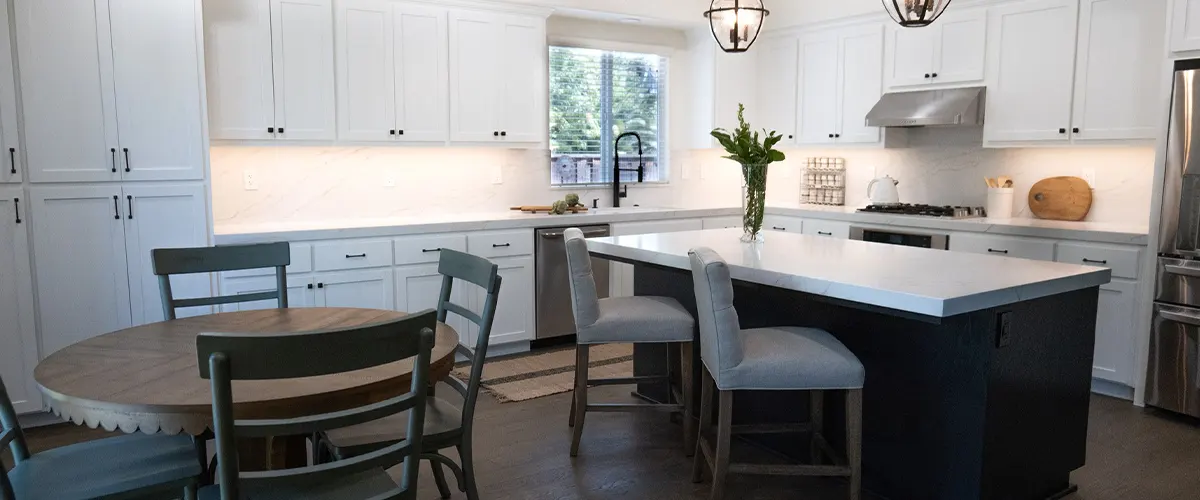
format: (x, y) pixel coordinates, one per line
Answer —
(1178, 317)
(586, 234)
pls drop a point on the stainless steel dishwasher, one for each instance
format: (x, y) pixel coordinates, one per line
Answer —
(554, 316)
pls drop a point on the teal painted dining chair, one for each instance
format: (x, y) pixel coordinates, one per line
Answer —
(226, 357)
(446, 424)
(171, 261)
(130, 466)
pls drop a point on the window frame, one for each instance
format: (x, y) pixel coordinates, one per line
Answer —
(664, 103)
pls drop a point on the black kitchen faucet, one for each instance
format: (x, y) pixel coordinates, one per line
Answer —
(641, 169)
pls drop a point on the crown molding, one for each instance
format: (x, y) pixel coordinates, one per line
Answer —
(512, 8)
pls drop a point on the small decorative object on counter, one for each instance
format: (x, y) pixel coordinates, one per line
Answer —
(754, 156)
(823, 181)
(559, 208)
(572, 200)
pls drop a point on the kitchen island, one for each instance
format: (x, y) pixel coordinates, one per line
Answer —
(978, 367)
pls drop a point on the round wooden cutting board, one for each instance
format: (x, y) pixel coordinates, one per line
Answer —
(1061, 198)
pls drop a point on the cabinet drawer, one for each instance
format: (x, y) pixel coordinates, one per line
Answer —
(352, 254)
(833, 229)
(782, 223)
(1122, 260)
(424, 249)
(500, 243)
(1006, 246)
(301, 263)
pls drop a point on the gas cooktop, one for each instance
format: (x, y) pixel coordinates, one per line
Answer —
(947, 211)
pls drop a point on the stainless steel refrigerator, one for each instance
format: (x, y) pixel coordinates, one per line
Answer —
(1173, 379)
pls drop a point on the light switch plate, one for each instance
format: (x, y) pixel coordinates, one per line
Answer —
(250, 180)
(1089, 175)
(686, 167)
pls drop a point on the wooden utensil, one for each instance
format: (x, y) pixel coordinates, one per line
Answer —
(1004, 181)
(533, 209)
(1061, 198)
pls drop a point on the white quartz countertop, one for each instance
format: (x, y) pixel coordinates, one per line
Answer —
(917, 280)
(234, 233)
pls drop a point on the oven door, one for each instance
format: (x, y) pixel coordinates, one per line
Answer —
(1174, 364)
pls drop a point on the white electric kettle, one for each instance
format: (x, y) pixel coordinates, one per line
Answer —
(886, 193)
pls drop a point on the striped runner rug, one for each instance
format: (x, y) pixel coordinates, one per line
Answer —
(544, 373)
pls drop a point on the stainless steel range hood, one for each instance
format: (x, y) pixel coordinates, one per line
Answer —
(945, 107)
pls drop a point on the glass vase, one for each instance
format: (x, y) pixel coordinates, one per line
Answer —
(754, 200)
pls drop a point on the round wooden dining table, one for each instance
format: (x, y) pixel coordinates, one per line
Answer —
(147, 379)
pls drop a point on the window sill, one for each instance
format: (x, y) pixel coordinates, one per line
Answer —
(606, 185)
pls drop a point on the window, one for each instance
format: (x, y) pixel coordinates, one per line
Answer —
(595, 96)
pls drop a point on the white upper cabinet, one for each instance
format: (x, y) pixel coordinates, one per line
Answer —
(1031, 60)
(391, 71)
(270, 69)
(1185, 26)
(952, 50)
(18, 340)
(777, 59)
(163, 216)
(10, 148)
(111, 89)
(1118, 67)
(498, 77)
(156, 68)
(241, 94)
(421, 59)
(67, 90)
(841, 79)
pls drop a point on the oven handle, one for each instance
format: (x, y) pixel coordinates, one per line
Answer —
(586, 234)
(1182, 270)
(1177, 317)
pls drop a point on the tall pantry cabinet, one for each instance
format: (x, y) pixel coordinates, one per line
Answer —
(113, 163)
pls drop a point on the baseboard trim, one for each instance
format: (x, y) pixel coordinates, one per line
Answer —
(1112, 389)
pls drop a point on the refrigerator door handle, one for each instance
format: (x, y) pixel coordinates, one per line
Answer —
(1182, 270)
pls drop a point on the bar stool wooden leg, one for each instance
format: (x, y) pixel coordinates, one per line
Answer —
(685, 382)
(816, 402)
(581, 381)
(700, 461)
(724, 441)
(854, 440)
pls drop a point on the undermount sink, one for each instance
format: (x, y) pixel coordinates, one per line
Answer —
(624, 210)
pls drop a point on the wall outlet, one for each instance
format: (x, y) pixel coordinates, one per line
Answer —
(1089, 175)
(250, 180)
(389, 180)
(497, 174)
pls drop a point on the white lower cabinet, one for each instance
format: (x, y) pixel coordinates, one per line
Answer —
(368, 289)
(419, 287)
(1115, 332)
(160, 216)
(783, 223)
(621, 275)
(727, 222)
(828, 228)
(514, 320)
(1005, 246)
(301, 291)
(18, 340)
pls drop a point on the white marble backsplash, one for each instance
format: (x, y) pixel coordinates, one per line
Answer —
(940, 166)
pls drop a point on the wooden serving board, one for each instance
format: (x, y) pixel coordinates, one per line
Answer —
(533, 209)
(1061, 198)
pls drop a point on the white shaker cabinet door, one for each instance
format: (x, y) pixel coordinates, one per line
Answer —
(777, 59)
(524, 77)
(163, 216)
(301, 292)
(514, 306)
(1185, 26)
(156, 67)
(82, 275)
(1031, 60)
(10, 147)
(419, 287)
(64, 52)
(817, 103)
(910, 55)
(960, 54)
(302, 52)
(241, 95)
(1115, 329)
(368, 289)
(1118, 66)
(366, 89)
(18, 340)
(475, 92)
(861, 83)
(420, 50)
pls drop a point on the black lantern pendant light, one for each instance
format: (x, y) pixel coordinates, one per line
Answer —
(915, 13)
(736, 23)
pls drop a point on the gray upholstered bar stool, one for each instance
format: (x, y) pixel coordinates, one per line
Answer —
(768, 359)
(624, 320)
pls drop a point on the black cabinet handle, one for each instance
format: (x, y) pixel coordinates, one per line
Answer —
(1090, 261)
(831, 136)
(823, 233)
(281, 130)
(126, 159)
(1075, 130)
(392, 132)
(116, 207)
(935, 75)
(310, 286)
(498, 245)
(992, 250)
(926, 75)
(496, 134)
(114, 159)
(12, 157)
(1062, 130)
(504, 133)
(17, 208)
(837, 135)
(402, 132)
(777, 228)
(320, 285)
(356, 256)
(428, 250)
(130, 200)
(270, 130)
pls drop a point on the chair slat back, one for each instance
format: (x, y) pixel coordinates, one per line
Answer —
(485, 274)
(229, 357)
(14, 438)
(170, 261)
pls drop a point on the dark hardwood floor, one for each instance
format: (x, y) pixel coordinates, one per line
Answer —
(522, 454)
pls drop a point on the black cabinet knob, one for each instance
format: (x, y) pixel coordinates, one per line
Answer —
(320, 285)
(831, 136)
(270, 130)
(392, 132)
(1062, 130)
(837, 135)
(496, 134)
(401, 132)
(790, 136)
(926, 75)
(281, 130)
(1075, 130)
(935, 75)
(504, 133)
(310, 286)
